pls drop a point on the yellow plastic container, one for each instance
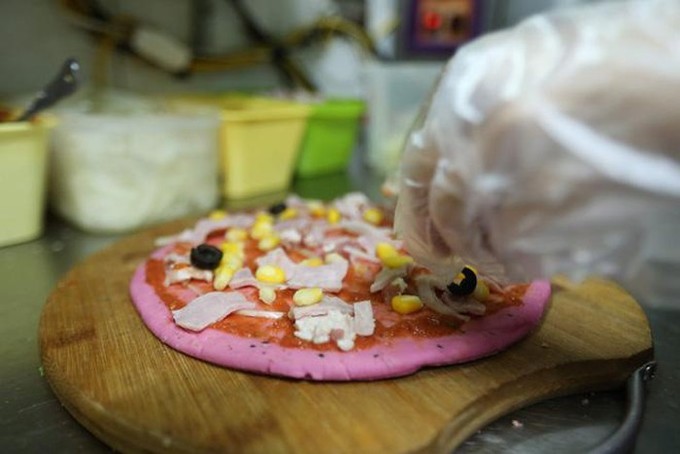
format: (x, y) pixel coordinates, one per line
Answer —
(259, 142)
(23, 169)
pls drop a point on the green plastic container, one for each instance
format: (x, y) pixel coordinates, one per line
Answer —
(330, 138)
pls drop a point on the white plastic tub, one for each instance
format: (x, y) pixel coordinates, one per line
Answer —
(115, 172)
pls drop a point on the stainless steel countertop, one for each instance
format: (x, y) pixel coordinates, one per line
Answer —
(32, 419)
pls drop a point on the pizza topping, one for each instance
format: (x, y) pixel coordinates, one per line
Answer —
(290, 237)
(397, 287)
(467, 281)
(328, 276)
(373, 216)
(356, 253)
(307, 296)
(233, 248)
(210, 308)
(205, 257)
(482, 291)
(390, 257)
(205, 227)
(334, 320)
(406, 304)
(312, 261)
(431, 291)
(466, 306)
(236, 234)
(316, 234)
(320, 329)
(386, 276)
(352, 205)
(267, 294)
(328, 303)
(288, 213)
(364, 322)
(275, 315)
(186, 273)
(222, 278)
(277, 208)
(333, 216)
(243, 278)
(270, 274)
(269, 242)
(316, 208)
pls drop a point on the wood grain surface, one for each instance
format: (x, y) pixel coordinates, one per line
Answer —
(138, 395)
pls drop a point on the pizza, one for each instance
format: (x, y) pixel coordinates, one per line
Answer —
(322, 291)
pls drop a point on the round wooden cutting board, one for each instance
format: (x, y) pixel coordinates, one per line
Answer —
(137, 394)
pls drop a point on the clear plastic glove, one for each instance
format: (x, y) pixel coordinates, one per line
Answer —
(552, 147)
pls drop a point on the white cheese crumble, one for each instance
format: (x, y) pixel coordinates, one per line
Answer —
(320, 329)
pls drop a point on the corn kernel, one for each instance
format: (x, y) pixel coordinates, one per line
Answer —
(231, 261)
(406, 304)
(333, 216)
(373, 216)
(314, 261)
(396, 261)
(288, 213)
(263, 216)
(232, 248)
(267, 295)
(235, 234)
(261, 229)
(217, 214)
(481, 292)
(270, 274)
(383, 250)
(390, 257)
(316, 209)
(223, 275)
(307, 296)
(269, 242)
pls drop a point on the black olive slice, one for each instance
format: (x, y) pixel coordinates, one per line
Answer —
(277, 208)
(466, 286)
(205, 257)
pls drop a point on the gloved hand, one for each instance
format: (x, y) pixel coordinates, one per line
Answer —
(551, 147)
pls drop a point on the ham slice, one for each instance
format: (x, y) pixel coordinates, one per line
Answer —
(356, 253)
(210, 308)
(351, 206)
(204, 227)
(328, 277)
(328, 303)
(257, 313)
(243, 278)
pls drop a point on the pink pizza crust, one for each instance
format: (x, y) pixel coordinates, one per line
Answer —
(479, 338)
